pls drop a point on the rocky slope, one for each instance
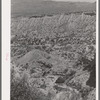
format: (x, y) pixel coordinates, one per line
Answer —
(53, 58)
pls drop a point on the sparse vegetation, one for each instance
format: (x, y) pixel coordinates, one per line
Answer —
(51, 51)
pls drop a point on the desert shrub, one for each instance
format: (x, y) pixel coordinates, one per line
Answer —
(20, 91)
(32, 71)
(84, 91)
(23, 91)
(70, 74)
(74, 85)
(92, 95)
(45, 64)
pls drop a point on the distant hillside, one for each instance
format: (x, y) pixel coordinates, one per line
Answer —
(41, 7)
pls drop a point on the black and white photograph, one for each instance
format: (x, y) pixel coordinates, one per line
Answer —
(53, 50)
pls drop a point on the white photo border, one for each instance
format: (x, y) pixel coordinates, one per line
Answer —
(6, 30)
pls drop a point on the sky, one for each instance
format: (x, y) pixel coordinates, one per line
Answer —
(77, 0)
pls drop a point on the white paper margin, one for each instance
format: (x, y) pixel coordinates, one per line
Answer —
(6, 22)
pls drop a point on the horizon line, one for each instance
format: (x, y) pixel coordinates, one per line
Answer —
(72, 1)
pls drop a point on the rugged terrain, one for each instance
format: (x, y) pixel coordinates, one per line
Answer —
(53, 58)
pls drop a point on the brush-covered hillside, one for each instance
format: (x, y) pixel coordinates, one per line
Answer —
(53, 58)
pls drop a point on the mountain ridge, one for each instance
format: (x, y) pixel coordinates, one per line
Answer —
(33, 7)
